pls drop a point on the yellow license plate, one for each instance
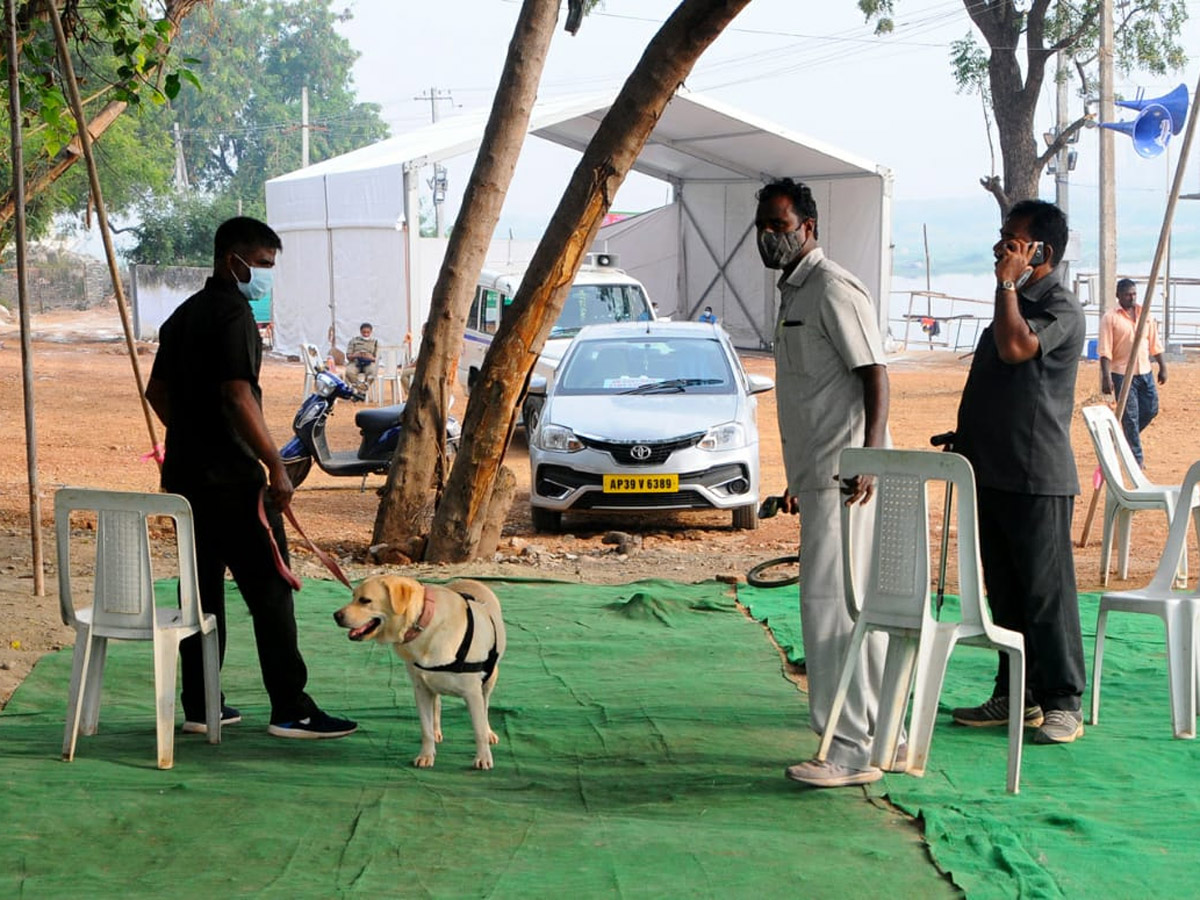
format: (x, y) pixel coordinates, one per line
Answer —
(641, 484)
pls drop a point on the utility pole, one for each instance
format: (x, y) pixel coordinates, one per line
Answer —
(438, 182)
(1107, 246)
(1062, 173)
(304, 127)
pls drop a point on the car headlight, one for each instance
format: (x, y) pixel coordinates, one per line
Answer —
(556, 437)
(729, 436)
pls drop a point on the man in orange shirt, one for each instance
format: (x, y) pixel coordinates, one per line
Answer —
(1115, 342)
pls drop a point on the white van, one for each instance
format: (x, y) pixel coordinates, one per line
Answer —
(601, 293)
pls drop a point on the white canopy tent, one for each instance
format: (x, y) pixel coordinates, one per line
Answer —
(352, 251)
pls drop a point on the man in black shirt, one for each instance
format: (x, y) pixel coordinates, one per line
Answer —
(1014, 425)
(204, 387)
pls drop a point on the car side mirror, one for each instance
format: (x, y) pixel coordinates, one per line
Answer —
(537, 385)
(759, 383)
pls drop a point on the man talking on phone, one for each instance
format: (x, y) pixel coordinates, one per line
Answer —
(1014, 425)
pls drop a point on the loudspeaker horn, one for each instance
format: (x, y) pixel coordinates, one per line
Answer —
(1175, 103)
(1150, 131)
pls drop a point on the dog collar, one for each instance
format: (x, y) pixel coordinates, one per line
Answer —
(422, 622)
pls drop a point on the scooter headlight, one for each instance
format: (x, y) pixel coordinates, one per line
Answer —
(324, 384)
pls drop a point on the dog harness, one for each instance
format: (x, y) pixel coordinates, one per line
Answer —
(486, 666)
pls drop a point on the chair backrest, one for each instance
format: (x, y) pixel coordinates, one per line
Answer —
(123, 595)
(388, 361)
(1121, 471)
(1176, 545)
(313, 361)
(898, 585)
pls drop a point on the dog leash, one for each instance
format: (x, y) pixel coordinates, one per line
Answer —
(287, 574)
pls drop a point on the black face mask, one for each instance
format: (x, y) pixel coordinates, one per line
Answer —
(779, 249)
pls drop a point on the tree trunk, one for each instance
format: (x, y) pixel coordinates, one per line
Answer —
(491, 414)
(401, 514)
(1014, 94)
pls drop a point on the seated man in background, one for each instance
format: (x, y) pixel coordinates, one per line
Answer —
(361, 355)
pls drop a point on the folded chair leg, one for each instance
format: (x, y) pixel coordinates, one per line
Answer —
(899, 668)
(1098, 663)
(166, 655)
(98, 655)
(212, 686)
(79, 667)
(1125, 531)
(1181, 667)
(1016, 715)
(853, 654)
(1106, 540)
(931, 675)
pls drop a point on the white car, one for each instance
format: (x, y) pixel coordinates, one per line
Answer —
(648, 416)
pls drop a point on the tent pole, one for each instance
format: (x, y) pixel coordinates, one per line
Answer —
(1144, 318)
(85, 141)
(18, 174)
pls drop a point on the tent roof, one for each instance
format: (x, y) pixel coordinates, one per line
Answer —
(697, 139)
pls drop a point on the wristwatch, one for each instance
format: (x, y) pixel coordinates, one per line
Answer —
(1007, 286)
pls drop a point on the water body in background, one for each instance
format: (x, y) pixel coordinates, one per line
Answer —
(961, 233)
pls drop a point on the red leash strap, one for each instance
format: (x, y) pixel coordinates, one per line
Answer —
(287, 574)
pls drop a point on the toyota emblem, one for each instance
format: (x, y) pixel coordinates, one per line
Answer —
(640, 452)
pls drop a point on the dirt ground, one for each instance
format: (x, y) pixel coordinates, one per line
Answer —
(91, 431)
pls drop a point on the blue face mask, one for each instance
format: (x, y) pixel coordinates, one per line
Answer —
(259, 285)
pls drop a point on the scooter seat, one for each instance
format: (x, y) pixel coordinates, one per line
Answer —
(378, 419)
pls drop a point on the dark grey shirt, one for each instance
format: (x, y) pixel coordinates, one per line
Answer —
(1014, 421)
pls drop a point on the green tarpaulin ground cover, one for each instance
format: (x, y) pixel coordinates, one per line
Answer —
(1116, 814)
(644, 729)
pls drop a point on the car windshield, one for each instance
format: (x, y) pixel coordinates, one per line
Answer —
(591, 304)
(647, 365)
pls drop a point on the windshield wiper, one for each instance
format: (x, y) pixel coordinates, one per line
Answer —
(673, 385)
(557, 331)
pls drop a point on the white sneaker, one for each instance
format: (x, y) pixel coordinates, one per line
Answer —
(828, 774)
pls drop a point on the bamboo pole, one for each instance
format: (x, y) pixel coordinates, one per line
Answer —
(85, 141)
(1144, 317)
(18, 169)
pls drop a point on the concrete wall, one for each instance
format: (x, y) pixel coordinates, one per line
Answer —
(156, 291)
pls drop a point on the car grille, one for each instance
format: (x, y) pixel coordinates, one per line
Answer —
(622, 451)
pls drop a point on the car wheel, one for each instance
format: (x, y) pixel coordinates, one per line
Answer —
(745, 518)
(546, 520)
(531, 412)
(297, 470)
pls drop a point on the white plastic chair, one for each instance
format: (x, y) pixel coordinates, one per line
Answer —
(1123, 497)
(1177, 608)
(387, 370)
(896, 601)
(314, 363)
(123, 608)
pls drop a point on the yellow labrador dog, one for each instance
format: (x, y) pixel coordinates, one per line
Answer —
(451, 639)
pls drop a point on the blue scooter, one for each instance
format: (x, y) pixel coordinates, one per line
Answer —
(379, 428)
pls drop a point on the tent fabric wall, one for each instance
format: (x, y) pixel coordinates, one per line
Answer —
(698, 251)
(301, 304)
(647, 247)
(706, 238)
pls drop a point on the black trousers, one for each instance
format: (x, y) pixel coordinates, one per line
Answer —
(1029, 571)
(230, 535)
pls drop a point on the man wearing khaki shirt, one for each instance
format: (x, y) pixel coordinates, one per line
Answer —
(832, 393)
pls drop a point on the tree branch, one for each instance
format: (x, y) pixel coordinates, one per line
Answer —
(992, 184)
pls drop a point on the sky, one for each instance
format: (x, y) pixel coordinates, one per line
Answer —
(813, 66)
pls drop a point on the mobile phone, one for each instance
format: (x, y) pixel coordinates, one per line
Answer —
(1039, 254)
